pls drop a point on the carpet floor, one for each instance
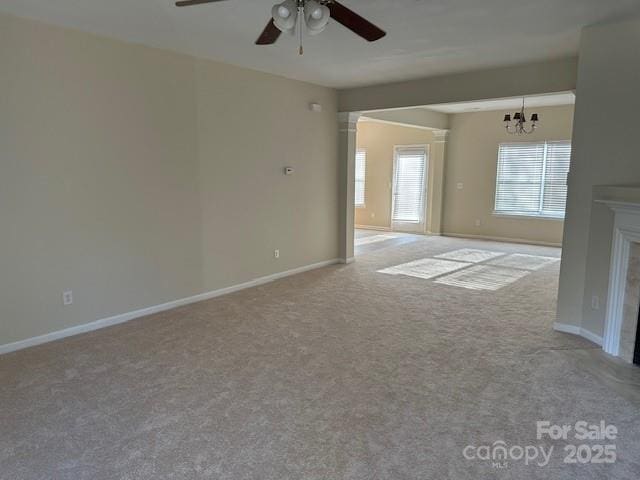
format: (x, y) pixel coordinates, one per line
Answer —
(339, 373)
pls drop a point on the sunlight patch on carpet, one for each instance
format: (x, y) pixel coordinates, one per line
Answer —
(483, 277)
(374, 239)
(471, 255)
(523, 261)
(425, 268)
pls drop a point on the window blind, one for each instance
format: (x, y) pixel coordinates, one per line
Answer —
(555, 187)
(408, 185)
(532, 178)
(361, 173)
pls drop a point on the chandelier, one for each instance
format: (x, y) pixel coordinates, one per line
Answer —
(518, 126)
(294, 14)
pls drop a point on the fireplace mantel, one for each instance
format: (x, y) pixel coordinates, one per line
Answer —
(620, 206)
(617, 196)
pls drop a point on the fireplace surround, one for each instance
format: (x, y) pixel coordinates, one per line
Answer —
(636, 353)
(628, 332)
(621, 322)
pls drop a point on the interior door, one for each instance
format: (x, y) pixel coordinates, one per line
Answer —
(409, 193)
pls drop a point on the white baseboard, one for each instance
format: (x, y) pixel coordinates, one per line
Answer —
(347, 261)
(371, 227)
(125, 317)
(591, 337)
(501, 239)
(581, 332)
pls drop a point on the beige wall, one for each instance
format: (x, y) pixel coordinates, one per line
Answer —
(472, 154)
(251, 126)
(605, 153)
(135, 176)
(379, 140)
(531, 79)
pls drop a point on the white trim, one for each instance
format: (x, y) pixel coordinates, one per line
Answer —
(408, 227)
(348, 122)
(502, 239)
(440, 136)
(347, 261)
(621, 207)
(615, 304)
(591, 336)
(575, 330)
(566, 328)
(372, 227)
(125, 317)
(396, 124)
(526, 216)
(626, 230)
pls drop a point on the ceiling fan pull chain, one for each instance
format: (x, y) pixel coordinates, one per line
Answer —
(300, 16)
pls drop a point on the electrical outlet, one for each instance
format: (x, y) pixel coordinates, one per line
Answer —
(67, 298)
(276, 254)
(595, 302)
(460, 186)
(478, 223)
(373, 215)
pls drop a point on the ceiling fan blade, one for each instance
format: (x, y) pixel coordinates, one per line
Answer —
(355, 22)
(269, 35)
(188, 3)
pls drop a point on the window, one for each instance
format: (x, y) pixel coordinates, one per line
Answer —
(408, 185)
(532, 179)
(361, 173)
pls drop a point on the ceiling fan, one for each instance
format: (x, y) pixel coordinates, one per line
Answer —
(315, 14)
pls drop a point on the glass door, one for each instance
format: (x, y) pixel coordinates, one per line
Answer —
(408, 211)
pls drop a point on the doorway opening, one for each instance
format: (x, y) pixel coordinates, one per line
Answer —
(455, 170)
(409, 189)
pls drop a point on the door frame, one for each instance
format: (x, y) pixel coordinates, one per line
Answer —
(411, 227)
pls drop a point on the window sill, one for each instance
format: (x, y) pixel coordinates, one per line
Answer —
(361, 206)
(525, 216)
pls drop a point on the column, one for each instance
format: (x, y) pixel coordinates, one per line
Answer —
(436, 195)
(348, 124)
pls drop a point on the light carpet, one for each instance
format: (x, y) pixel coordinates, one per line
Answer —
(339, 373)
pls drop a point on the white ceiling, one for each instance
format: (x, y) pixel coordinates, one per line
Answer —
(425, 37)
(506, 104)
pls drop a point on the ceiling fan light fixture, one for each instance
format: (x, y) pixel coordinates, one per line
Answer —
(285, 15)
(283, 12)
(291, 16)
(316, 16)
